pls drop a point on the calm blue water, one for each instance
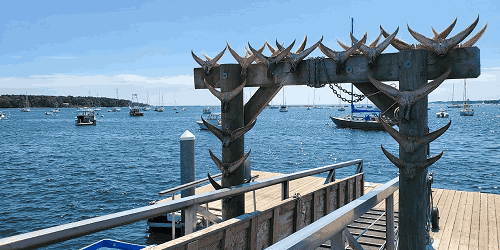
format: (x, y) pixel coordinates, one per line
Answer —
(52, 172)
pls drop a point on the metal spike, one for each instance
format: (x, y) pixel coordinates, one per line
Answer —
(296, 58)
(373, 53)
(475, 38)
(341, 57)
(409, 143)
(442, 46)
(271, 48)
(209, 63)
(444, 33)
(244, 62)
(406, 99)
(410, 169)
(302, 45)
(216, 185)
(227, 168)
(396, 42)
(225, 97)
(226, 136)
(346, 47)
(375, 42)
(271, 62)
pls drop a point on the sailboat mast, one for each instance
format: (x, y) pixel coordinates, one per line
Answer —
(352, 85)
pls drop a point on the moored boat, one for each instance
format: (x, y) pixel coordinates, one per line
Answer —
(442, 113)
(85, 118)
(213, 118)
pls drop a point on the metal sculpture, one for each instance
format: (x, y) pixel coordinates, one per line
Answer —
(411, 69)
(357, 51)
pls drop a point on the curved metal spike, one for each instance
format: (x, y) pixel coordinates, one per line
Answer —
(302, 45)
(226, 136)
(406, 99)
(475, 38)
(271, 48)
(444, 33)
(373, 53)
(225, 97)
(442, 46)
(375, 42)
(209, 59)
(396, 42)
(244, 62)
(239, 132)
(411, 144)
(234, 165)
(271, 62)
(345, 47)
(341, 57)
(217, 162)
(216, 131)
(209, 63)
(216, 185)
(296, 58)
(410, 169)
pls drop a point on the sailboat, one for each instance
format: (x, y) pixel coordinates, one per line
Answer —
(467, 110)
(453, 104)
(147, 108)
(341, 107)
(159, 108)
(135, 110)
(116, 108)
(283, 107)
(26, 104)
(175, 105)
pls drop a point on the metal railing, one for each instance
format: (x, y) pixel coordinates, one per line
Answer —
(334, 225)
(73, 230)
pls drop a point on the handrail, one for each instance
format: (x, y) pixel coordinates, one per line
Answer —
(320, 231)
(187, 185)
(65, 232)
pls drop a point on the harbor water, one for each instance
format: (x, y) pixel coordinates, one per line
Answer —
(53, 172)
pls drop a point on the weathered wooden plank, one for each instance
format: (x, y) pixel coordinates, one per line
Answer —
(497, 215)
(286, 220)
(459, 220)
(483, 222)
(493, 227)
(464, 62)
(453, 221)
(466, 225)
(253, 233)
(275, 220)
(474, 232)
(443, 221)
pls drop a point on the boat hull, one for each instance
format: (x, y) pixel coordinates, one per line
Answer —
(357, 124)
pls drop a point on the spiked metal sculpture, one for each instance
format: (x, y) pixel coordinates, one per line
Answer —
(226, 136)
(271, 62)
(443, 45)
(407, 98)
(411, 168)
(228, 168)
(357, 52)
(373, 53)
(341, 57)
(225, 97)
(209, 63)
(296, 57)
(244, 62)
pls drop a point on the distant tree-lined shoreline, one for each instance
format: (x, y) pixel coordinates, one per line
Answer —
(43, 101)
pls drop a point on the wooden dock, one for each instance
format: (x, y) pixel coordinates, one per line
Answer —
(468, 220)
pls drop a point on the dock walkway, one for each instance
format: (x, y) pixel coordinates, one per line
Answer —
(468, 220)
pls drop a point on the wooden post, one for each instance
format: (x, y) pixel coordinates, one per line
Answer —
(413, 195)
(389, 222)
(233, 119)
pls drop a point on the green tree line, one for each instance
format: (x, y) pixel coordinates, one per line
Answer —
(42, 101)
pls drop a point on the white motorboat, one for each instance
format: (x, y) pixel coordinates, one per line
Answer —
(206, 110)
(442, 113)
(213, 118)
(87, 117)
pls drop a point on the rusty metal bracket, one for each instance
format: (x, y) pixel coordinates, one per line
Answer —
(411, 168)
(409, 143)
(406, 99)
(225, 97)
(226, 136)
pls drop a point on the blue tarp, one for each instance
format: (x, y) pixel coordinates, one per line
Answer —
(112, 244)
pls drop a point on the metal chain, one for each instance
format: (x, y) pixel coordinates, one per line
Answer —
(312, 66)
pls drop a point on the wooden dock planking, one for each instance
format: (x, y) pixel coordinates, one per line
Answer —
(468, 220)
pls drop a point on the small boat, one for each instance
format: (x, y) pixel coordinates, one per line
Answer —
(26, 105)
(467, 110)
(453, 104)
(116, 109)
(364, 122)
(49, 113)
(184, 109)
(283, 107)
(56, 110)
(206, 110)
(147, 108)
(163, 224)
(112, 244)
(273, 107)
(87, 117)
(135, 111)
(213, 118)
(442, 113)
(341, 108)
(2, 116)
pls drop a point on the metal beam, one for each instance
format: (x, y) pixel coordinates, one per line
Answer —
(259, 101)
(464, 63)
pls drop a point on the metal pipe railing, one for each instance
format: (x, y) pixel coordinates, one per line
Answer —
(318, 232)
(73, 230)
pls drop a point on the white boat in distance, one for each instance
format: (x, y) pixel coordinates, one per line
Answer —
(467, 110)
(213, 118)
(442, 113)
(26, 105)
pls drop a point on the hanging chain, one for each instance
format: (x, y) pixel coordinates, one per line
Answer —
(314, 64)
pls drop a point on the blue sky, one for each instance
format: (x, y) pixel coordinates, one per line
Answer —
(77, 48)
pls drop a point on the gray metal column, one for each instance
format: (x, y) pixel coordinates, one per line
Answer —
(188, 215)
(413, 195)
